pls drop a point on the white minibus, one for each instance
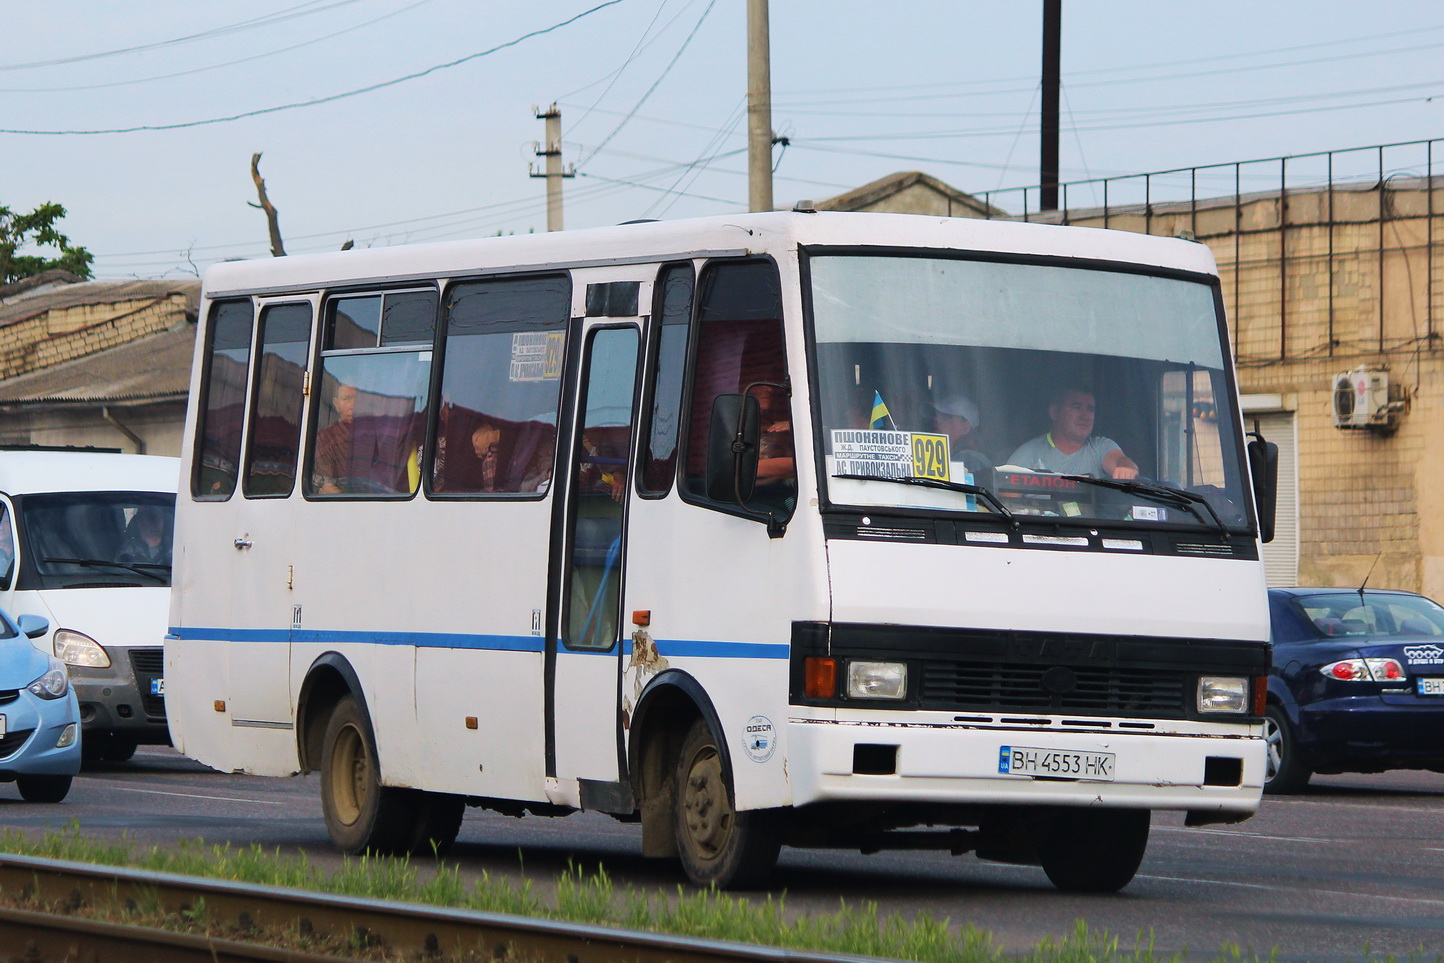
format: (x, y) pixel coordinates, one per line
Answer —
(85, 542)
(807, 529)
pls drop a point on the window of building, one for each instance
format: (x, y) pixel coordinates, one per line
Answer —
(504, 342)
(223, 404)
(371, 391)
(276, 398)
(671, 317)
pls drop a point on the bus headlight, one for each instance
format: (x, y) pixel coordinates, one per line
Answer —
(877, 680)
(76, 648)
(1222, 693)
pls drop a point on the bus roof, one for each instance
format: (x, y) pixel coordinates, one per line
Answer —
(29, 472)
(771, 233)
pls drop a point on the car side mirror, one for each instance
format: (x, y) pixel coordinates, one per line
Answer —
(34, 626)
(732, 441)
(1263, 463)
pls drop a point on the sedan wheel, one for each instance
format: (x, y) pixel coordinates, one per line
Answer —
(1284, 772)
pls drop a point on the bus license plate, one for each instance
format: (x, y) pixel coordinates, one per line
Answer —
(1430, 686)
(1061, 763)
(157, 687)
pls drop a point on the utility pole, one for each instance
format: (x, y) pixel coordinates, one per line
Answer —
(1052, 81)
(552, 151)
(759, 108)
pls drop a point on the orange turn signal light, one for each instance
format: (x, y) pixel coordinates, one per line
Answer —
(820, 680)
(1260, 694)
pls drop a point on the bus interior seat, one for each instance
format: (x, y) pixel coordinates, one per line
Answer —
(1417, 626)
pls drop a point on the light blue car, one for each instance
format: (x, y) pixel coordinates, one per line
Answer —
(39, 714)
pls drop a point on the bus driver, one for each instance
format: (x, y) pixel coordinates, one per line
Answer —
(1069, 447)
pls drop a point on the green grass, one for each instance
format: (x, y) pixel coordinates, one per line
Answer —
(592, 897)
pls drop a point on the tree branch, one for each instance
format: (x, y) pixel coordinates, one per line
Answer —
(277, 248)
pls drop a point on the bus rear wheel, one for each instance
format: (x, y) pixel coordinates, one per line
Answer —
(717, 844)
(364, 816)
(1094, 850)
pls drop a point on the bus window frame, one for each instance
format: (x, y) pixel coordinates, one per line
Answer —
(652, 328)
(325, 301)
(438, 373)
(689, 387)
(262, 305)
(203, 399)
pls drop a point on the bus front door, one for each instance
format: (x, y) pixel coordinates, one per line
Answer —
(584, 649)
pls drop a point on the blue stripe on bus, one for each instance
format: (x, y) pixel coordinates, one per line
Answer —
(675, 648)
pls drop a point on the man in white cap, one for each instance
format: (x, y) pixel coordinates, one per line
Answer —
(957, 417)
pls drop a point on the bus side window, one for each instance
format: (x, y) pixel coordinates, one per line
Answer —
(223, 399)
(672, 315)
(740, 346)
(502, 352)
(370, 412)
(275, 439)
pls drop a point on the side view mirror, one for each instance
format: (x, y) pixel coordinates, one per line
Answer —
(34, 626)
(732, 440)
(1263, 464)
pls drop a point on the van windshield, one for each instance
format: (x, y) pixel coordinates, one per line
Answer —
(95, 539)
(1079, 394)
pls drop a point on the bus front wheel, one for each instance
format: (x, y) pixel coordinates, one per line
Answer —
(716, 843)
(1094, 850)
(364, 816)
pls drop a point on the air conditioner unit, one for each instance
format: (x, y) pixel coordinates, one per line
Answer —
(1364, 398)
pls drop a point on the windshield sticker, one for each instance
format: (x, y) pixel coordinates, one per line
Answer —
(930, 456)
(1148, 513)
(536, 355)
(881, 454)
(1424, 654)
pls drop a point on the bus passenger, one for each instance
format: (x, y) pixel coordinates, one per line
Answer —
(957, 417)
(776, 463)
(333, 443)
(1069, 447)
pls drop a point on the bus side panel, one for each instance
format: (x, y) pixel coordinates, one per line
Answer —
(723, 597)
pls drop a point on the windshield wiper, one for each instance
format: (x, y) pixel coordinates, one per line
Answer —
(985, 494)
(94, 562)
(1164, 493)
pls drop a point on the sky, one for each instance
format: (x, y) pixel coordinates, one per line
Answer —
(387, 122)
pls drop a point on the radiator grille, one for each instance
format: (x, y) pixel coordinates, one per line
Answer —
(11, 742)
(8, 696)
(1092, 690)
(149, 664)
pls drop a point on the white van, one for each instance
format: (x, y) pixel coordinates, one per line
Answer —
(85, 541)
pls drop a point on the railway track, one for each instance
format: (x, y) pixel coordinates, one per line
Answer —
(407, 930)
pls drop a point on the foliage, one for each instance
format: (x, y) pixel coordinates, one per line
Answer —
(37, 229)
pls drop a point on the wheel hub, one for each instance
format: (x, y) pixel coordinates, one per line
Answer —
(707, 813)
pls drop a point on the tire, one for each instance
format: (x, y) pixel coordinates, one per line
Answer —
(716, 844)
(1284, 772)
(1094, 850)
(43, 789)
(118, 749)
(364, 816)
(94, 745)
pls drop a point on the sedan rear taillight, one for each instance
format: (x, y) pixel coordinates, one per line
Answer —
(1365, 670)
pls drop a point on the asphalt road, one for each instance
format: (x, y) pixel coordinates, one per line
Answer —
(1355, 865)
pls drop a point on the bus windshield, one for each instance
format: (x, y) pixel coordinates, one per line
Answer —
(1080, 394)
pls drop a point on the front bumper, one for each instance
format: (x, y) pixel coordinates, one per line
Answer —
(118, 699)
(33, 726)
(1196, 767)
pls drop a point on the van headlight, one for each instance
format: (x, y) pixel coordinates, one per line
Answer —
(1222, 693)
(877, 680)
(53, 684)
(77, 648)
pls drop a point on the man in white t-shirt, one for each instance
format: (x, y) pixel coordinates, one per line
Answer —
(1070, 447)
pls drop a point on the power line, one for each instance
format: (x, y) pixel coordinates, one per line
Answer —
(333, 97)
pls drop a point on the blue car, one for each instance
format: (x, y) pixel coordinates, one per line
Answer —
(1357, 684)
(39, 714)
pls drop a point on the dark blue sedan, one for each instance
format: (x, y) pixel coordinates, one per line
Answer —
(1357, 684)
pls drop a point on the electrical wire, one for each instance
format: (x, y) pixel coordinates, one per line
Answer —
(325, 100)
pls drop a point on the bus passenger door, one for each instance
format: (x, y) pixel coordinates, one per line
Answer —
(584, 649)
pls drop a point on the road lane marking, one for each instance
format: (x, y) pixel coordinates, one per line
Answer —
(1376, 807)
(191, 795)
(1274, 887)
(1238, 832)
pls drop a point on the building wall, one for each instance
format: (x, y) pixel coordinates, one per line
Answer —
(159, 426)
(1316, 283)
(61, 334)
